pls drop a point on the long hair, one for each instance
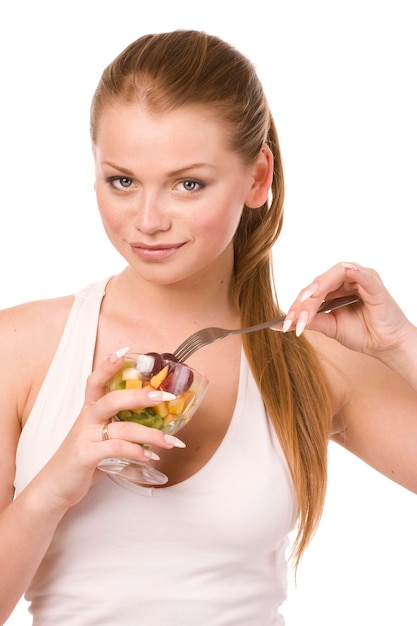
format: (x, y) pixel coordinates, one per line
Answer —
(185, 67)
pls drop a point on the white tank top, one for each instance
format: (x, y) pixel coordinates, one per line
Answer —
(209, 551)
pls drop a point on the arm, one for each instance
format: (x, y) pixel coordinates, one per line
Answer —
(371, 369)
(375, 411)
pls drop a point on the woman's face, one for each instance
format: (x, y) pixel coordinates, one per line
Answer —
(169, 190)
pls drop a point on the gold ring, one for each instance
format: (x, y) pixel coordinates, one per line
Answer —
(105, 433)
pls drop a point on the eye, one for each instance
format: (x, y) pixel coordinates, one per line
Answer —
(119, 182)
(191, 185)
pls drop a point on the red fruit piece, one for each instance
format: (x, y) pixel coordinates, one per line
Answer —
(179, 379)
(149, 364)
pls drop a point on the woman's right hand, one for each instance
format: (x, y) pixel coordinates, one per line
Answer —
(72, 470)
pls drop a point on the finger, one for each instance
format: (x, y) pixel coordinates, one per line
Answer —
(138, 434)
(111, 403)
(341, 279)
(101, 375)
(133, 441)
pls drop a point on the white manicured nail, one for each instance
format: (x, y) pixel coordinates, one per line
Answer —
(115, 356)
(151, 455)
(349, 266)
(288, 322)
(301, 323)
(309, 292)
(160, 396)
(174, 441)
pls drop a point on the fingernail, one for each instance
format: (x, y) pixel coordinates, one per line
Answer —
(309, 292)
(349, 266)
(174, 441)
(301, 323)
(287, 322)
(115, 356)
(160, 396)
(151, 455)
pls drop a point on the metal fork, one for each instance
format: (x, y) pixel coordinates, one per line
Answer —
(205, 336)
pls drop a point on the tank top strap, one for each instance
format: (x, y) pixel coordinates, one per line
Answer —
(58, 405)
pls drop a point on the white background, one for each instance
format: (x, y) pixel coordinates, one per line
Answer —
(341, 80)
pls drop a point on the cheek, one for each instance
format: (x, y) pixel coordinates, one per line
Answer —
(110, 218)
(221, 224)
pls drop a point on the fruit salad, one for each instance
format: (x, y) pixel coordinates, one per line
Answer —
(164, 372)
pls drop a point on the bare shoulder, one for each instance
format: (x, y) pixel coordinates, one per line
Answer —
(31, 325)
(29, 336)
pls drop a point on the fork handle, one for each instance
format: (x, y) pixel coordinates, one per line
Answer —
(326, 307)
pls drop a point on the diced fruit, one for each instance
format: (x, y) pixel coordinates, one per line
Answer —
(116, 382)
(149, 364)
(189, 398)
(161, 409)
(176, 406)
(178, 380)
(157, 371)
(133, 383)
(181, 404)
(125, 415)
(130, 373)
(159, 377)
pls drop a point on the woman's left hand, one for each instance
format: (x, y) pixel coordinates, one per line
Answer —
(375, 326)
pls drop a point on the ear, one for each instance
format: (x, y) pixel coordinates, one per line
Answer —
(262, 173)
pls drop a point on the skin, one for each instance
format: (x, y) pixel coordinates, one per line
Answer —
(173, 221)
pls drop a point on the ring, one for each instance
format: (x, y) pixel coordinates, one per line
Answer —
(105, 433)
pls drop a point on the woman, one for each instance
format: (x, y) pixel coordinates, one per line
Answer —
(189, 186)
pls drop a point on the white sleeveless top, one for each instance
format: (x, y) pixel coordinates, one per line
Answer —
(209, 551)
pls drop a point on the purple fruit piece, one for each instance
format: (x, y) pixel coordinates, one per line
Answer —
(168, 356)
(179, 379)
(149, 364)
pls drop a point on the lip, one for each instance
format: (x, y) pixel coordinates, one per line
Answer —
(154, 252)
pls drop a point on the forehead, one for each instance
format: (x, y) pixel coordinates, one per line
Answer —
(121, 121)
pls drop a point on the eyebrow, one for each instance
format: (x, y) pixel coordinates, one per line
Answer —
(177, 172)
(123, 170)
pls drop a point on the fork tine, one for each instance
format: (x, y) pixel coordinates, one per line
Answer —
(196, 341)
(188, 342)
(188, 349)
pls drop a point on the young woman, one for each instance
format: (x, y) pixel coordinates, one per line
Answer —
(190, 189)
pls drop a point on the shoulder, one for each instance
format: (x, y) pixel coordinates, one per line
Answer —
(29, 336)
(33, 324)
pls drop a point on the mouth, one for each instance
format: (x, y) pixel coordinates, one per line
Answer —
(155, 252)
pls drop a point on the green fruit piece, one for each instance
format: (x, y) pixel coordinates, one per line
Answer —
(125, 416)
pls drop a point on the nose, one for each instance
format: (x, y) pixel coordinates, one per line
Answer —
(151, 215)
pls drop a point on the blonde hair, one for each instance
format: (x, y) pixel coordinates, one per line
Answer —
(166, 71)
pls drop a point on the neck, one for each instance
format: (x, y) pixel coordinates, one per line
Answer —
(199, 301)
